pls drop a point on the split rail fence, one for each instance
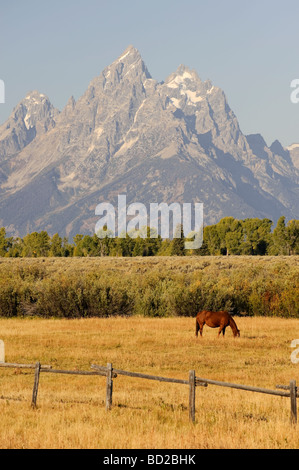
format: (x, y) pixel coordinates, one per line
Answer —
(290, 391)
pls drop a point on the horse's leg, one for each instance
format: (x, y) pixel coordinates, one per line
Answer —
(201, 328)
(223, 331)
(220, 329)
(196, 328)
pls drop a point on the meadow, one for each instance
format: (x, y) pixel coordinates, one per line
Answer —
(71, 411)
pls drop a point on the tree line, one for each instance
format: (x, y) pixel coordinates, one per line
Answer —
(229, 236)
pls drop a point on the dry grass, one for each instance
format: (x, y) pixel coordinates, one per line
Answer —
(139, 264)
(145, 414)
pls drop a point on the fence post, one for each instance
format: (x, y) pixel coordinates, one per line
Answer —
(192, 395)
(35, 386)
(109, 387)
(293, 395)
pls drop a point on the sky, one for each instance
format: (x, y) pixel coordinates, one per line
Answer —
(247, 48)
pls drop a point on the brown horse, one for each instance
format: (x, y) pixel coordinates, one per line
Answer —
(216, 319)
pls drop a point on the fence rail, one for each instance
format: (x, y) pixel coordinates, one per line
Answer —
(23, 366)
(141, 376)
(291, 390)
(248, 388)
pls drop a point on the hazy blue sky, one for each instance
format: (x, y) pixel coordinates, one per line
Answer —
(248, 48)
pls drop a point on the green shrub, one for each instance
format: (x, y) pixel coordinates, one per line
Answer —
(161, 287)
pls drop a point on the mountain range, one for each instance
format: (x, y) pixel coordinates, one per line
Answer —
(174, 141)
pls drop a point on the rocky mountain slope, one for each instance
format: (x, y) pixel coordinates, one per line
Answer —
(175, 141)
(294, 154)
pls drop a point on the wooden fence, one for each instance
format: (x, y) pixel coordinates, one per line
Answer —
(110, 373)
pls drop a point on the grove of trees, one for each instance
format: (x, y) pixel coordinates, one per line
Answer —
(229, 236)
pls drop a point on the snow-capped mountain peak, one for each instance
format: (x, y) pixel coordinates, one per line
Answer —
(174, 141)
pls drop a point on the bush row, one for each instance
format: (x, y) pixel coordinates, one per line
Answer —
(256, 289)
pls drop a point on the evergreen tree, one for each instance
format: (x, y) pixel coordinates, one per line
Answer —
(36, 244)
(16, 248)
(78, 249)
(56, 246)
(292, 237)
(279, 244)
(212, 240)
(67, 248)
(225, 226)
(178, 242)
(165, 248)
(257, 236)
(3, 242)
(233, 242)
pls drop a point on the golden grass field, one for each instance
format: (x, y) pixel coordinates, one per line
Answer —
(145, 414)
